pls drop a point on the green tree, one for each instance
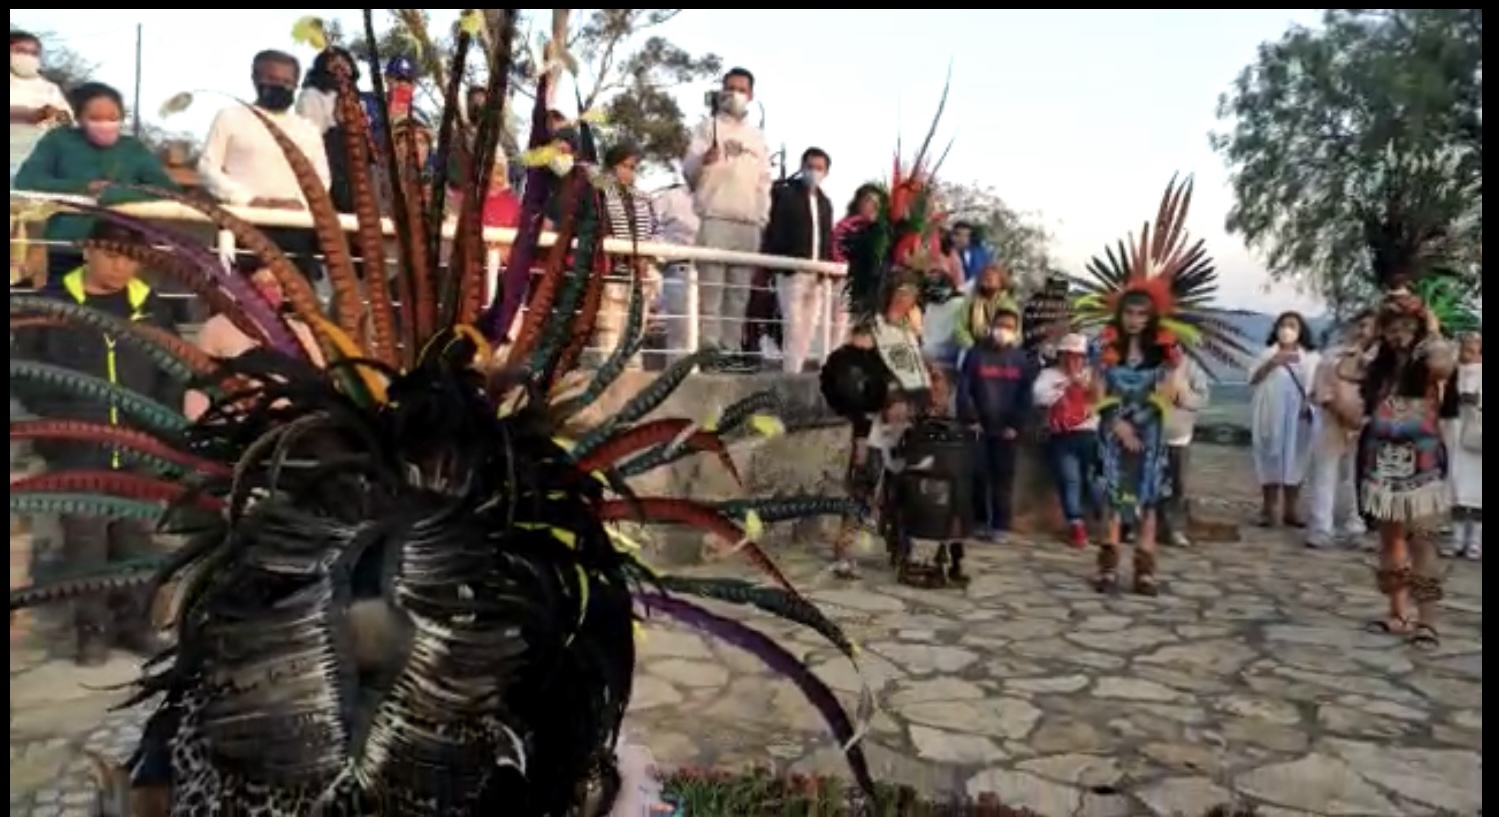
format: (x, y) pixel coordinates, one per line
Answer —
(1355, 149)
(1019, 239)
(626, 68)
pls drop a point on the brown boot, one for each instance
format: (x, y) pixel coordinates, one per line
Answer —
(1145, 582)
(93, 647)
(1270, 507)
(1291, 506)
(1107, 580)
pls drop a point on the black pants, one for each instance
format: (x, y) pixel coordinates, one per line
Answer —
(1171, 516)
(89, 544)
(302, 245)
(994, 483)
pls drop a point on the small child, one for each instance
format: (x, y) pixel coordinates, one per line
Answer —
(994, 398)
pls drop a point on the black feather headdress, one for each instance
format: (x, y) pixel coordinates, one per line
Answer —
(1175, 273)
(403, 592)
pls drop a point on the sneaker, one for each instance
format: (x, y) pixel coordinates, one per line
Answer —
(1180, 540)
(1077, 535)
(1473, 552)
(844, 569)
(1317, 541)
(1453, 549)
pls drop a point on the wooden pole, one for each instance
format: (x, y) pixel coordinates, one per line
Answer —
(135, 102)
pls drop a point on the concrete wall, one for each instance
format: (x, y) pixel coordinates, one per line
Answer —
(809, 459)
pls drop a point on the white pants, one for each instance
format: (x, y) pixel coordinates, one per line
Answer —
(1331, 490)
(802, 312)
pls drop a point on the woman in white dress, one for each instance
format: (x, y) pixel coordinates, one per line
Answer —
(1464, 439)
(1284, 418)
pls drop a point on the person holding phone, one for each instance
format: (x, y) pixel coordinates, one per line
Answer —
(1284, 418)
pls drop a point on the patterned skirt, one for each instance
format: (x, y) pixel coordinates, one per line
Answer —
(1402, 462)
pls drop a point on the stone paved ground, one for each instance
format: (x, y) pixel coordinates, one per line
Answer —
(1250, 677)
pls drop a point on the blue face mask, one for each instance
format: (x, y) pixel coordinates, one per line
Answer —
(812, 178)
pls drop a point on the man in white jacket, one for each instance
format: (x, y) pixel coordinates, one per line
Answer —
(1333, 459)
(728, 167)
(1191, 398)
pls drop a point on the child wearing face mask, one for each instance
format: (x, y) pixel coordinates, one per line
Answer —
(92, 159)
(994, 399)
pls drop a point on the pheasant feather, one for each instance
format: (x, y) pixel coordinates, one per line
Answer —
(401, 591)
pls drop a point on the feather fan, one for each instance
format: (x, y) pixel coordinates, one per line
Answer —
(402, 593)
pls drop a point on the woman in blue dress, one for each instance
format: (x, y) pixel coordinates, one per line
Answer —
(1136, 357)
(1151, 302)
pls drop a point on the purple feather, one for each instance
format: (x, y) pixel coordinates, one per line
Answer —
(778, 659)
(517, 276)
(246, 296)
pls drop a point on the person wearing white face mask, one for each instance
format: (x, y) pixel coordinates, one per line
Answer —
(801, 226)
(1284, 418)
(36, 102)
(34, 99)
(728, 167)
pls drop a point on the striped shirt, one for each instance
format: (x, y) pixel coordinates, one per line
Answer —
(619, 202)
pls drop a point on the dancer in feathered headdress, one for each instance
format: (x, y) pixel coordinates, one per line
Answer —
(1149, 301)
(890, 259)
(404, 594)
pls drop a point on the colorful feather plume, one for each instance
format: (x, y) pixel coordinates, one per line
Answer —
(402, 593)
(1174, 272)
(900, 244)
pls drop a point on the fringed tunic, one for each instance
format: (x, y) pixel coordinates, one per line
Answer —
(1403, 462)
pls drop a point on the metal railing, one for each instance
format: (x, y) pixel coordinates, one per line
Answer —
(688, 322)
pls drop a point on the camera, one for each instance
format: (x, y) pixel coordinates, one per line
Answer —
(714, 100)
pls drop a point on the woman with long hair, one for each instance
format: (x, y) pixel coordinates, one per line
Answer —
(1464, 438)
(1284, 418)
(1140, 299)
(1403, 463)
(862, 209)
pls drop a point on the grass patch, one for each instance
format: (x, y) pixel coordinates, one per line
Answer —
(708, 793)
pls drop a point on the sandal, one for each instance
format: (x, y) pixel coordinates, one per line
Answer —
(1424, 637)
(1390, 625)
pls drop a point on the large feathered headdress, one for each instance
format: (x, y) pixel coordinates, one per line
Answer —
(404, 592)
(899, 245)
(1174, 273)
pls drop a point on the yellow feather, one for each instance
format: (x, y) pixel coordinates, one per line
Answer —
(311, 32)
(767, 425)
(338, 345)
(754, 528)
(539, 157)
(639, 632)
(471, 22)
(710, 423)
(594, 117)
(175, 104)
(564, 443)
(565, 536)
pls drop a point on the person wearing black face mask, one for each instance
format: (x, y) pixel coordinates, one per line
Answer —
(242, 165)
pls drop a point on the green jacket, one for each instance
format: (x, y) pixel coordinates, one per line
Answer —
(968, 330)
(65, 162)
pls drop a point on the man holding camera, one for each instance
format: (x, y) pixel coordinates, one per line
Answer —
(728, 168)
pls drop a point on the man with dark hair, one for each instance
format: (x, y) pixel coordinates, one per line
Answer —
(242, 165)
(727, 165)
(800, 226)
(107, 282)
(973, 254)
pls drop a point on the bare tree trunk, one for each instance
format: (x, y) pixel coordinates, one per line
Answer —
(555, 49)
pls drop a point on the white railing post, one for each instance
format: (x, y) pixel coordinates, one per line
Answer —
(828, 311)
(227, 247)
(491, 272)
(693, 336)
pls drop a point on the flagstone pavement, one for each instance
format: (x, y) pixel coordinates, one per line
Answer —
(1250, 679)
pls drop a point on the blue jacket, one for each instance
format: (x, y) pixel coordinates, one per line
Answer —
(975, 260)
(994, 387)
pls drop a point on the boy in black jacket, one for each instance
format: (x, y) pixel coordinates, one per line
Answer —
(994, 399)
(107, 282)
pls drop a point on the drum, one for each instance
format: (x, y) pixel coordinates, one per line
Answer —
(935, 493)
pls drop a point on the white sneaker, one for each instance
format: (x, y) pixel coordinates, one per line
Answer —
(1473, 552)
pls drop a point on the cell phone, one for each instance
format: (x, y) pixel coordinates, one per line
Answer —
(713, 100)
